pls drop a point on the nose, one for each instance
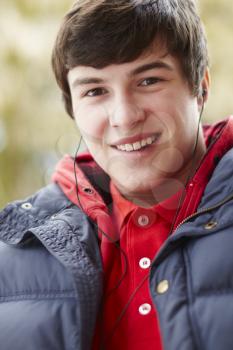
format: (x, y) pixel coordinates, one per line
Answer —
(126, 113)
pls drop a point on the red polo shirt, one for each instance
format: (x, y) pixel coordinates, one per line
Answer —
(128, 319)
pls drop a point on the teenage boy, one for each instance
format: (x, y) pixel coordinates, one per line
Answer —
(130, 247)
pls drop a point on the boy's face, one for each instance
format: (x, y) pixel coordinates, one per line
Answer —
(139, 121)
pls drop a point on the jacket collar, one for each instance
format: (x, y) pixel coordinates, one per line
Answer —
(214, 212)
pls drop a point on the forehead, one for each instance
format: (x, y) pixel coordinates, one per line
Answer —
(155, 57)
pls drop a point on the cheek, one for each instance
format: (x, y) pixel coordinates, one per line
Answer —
(180, 116)
(162, 119)
(92, 123)
(165, 110)
(169, 160)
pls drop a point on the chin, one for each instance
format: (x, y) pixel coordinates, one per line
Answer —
(141, 186)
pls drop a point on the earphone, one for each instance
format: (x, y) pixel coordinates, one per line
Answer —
(204, 93)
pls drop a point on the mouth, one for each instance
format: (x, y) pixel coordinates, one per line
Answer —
(138, 145)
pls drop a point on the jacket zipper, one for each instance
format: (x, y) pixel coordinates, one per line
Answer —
(201, 211)
(205, 210)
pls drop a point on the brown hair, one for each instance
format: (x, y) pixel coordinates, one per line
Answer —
(101, 32)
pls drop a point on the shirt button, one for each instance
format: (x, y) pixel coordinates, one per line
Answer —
(163, 287)
(143, 220)
(144, 309)
(144, 263)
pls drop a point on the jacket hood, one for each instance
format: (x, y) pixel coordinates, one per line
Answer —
(86, 176)
(85, 184)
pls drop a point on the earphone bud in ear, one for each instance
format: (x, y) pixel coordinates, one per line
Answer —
(204, 92)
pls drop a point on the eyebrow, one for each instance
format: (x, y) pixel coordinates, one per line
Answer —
(152, 65)
(86, 81)
(136, 71)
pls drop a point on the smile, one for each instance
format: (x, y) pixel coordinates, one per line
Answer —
(136, 146)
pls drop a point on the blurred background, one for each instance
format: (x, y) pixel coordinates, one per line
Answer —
(35, 131)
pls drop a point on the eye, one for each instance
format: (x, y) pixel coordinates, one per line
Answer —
(150, 81)
(95, 92)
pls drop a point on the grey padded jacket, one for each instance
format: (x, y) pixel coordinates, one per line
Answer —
(51, 273)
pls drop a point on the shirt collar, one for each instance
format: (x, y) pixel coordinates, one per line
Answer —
(122, 208)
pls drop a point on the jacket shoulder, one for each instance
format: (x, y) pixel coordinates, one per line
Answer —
(49, 198)
(32, 211)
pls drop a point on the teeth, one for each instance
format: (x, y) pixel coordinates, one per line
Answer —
(144, 143)
(137, 146)
(129, 147)
(121, 147)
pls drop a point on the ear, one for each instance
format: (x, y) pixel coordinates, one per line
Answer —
(204, 89)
